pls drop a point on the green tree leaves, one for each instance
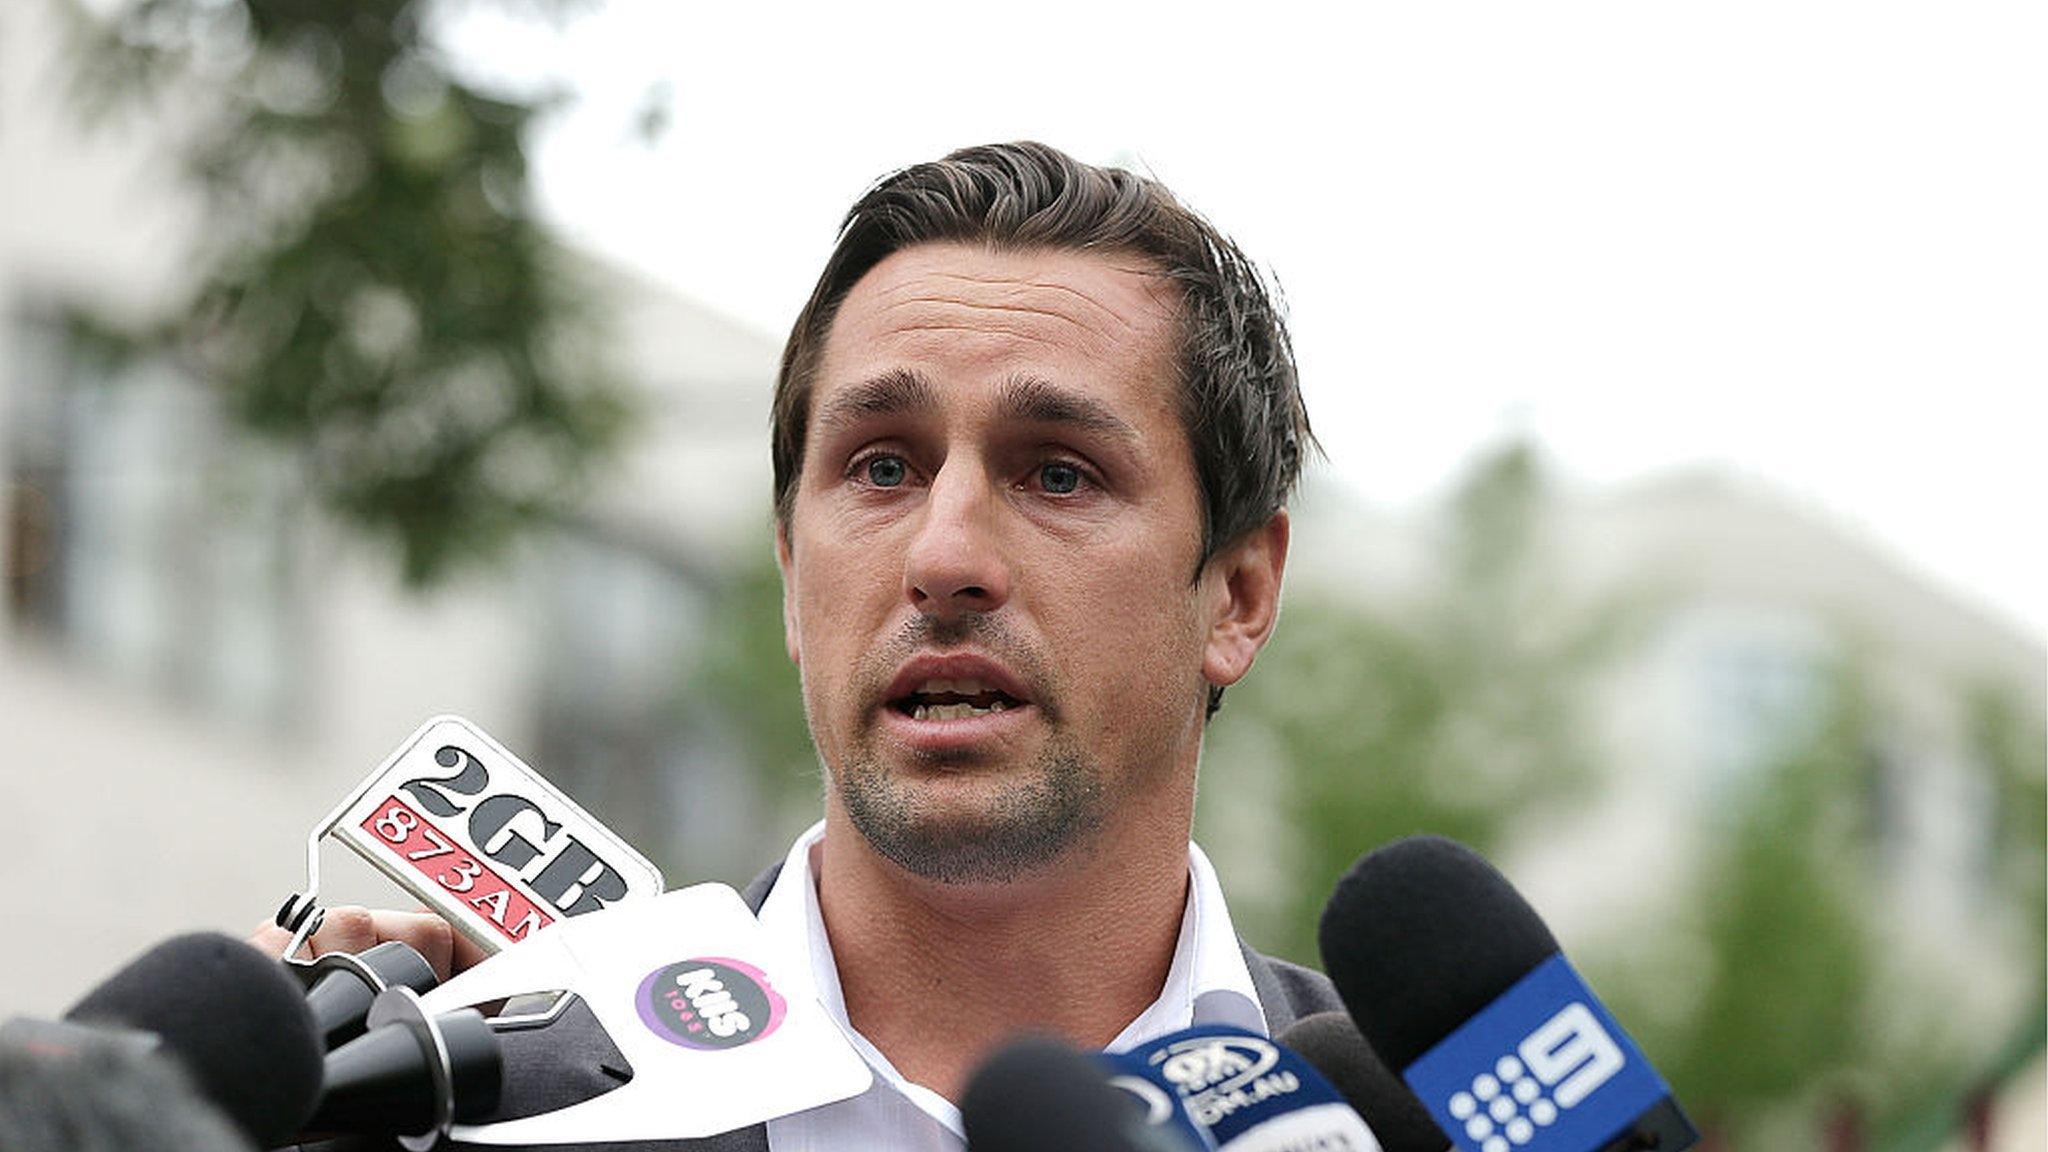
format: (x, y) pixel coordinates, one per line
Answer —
(1454, 712)
(371, 288)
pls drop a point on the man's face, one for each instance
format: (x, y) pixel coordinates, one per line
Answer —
(987, 571)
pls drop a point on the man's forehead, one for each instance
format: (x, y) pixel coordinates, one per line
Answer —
(961, 301)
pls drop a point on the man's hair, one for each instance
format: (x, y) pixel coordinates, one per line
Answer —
(1239, 401)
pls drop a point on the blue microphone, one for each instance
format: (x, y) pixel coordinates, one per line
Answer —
(1455, 981)
(1238, 1091)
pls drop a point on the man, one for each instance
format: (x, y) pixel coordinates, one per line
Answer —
(1033, 437)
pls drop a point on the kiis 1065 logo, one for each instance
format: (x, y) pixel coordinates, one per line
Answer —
(709, 1002)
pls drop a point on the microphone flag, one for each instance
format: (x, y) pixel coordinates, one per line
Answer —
(689, 990)
(1241, 1091)
(1544, 1068)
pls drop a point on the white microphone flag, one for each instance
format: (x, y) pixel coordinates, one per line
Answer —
(687, 987)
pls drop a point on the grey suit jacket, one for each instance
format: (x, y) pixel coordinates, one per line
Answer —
(572, 1059)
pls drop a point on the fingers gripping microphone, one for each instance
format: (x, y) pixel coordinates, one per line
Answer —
(232, 1016)
(1331, 1042)
(1455, 981)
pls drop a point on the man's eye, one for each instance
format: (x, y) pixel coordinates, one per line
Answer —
(1059, 478)
(886, 471)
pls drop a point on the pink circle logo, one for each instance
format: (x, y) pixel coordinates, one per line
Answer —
(710, 1002)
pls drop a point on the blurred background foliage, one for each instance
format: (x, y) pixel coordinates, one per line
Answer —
(374, 291)
(1780, 999)
(746, 675)
(1454, 714)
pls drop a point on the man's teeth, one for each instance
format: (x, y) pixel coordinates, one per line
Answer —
(954, 711)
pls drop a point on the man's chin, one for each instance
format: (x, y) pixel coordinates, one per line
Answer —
(944, 831)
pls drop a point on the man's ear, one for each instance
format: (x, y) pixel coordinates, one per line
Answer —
(786, 565)
(1242, 585)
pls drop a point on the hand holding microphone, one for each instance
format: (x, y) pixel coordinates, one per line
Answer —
(356, 930)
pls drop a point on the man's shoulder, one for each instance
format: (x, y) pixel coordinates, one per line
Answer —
(1289, 991)
(757, 889)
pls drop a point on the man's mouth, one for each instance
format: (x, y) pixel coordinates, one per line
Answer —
(953, 699)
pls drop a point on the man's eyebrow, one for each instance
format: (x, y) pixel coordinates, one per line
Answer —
(898, 390)
(1031, 400)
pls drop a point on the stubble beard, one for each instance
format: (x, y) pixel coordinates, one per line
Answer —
(1046, 809)
(1054, 809)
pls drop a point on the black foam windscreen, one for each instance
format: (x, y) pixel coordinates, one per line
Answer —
(1039, 1093)
(1419, 936)
(233, 1017)
(80, 1088)
(1334, 1045)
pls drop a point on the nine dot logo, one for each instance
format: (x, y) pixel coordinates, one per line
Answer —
(1559, 1064)
(709, 1002)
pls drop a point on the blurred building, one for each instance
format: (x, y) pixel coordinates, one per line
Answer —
(195, 667)
(1765, 613)
(1763, 605)
(1756, 615)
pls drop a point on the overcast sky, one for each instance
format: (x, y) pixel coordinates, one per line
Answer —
(1801, 241)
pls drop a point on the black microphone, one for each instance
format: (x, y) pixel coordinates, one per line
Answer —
(410, 1074)
(1332, 1043)
(231, 1016)
(1455, 981)
(1038, 1094)
(70, 1088)
(344, 984)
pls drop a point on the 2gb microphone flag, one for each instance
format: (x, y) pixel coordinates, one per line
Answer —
(1543, 1068)
(483, 839)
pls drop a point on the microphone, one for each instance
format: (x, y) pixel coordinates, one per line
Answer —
(1331, 1042)
(1453, 979)
(1242, 1092)
(344, 985)
(410, 1074)
(1038, 1093)
(232, 1017)
(92, 1091)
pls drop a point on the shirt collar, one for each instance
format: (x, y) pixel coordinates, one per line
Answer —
(1207, 982)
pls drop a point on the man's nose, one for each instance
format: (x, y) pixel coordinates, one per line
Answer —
(956, 562)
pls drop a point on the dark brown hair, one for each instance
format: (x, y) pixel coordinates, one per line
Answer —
(1239, 401)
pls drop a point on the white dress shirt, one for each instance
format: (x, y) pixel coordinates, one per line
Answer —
(1207, 983)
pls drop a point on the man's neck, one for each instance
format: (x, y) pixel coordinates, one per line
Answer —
(934, 975)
